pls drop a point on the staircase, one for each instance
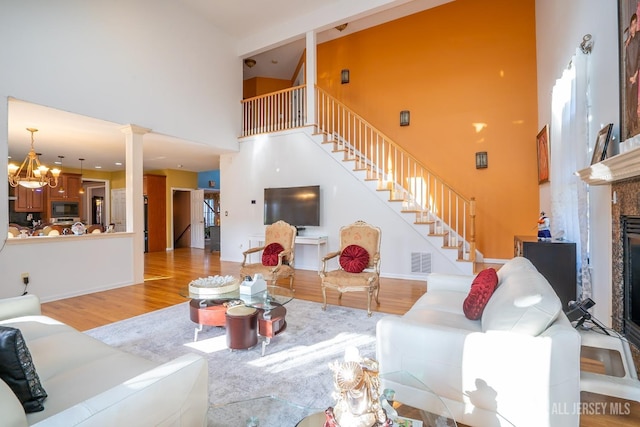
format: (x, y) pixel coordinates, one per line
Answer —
(440, 214)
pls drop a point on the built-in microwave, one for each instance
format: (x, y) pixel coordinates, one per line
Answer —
(65, 209)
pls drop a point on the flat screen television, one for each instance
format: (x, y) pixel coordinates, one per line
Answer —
(298, 206)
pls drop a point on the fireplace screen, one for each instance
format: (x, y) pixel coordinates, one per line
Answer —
(631, 251)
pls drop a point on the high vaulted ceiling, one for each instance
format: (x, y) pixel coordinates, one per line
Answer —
(100, 143)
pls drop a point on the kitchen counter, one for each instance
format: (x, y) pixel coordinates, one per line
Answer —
(65, 238)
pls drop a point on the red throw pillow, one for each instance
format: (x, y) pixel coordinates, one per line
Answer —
(354, 259)
(481, 290)
(270, 254)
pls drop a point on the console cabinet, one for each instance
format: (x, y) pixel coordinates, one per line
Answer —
(556, 261)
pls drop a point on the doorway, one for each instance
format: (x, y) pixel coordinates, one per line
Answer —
(95, 204)
(196, 218)
(181, 218)
(212, 220)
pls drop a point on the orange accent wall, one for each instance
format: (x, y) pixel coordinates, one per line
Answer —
(461, 63)
(257, 86)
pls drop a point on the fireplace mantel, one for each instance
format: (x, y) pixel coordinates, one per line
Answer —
(621, 166)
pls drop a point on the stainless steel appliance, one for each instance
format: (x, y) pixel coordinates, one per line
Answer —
(61, 209)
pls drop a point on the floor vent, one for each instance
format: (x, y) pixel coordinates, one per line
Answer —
(420, 262)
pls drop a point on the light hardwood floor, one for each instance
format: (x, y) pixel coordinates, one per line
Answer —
(167, 272)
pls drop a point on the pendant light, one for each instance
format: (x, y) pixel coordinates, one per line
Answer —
(81, 191)
(32, 174)
(61, 189)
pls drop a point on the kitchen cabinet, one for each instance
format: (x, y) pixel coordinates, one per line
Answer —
(71, 183)
(555, 260)
(29, 200)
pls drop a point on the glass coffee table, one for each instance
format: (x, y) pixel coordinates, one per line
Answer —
(211, 310)
(265, 411)
(402, 413)
(271, 411)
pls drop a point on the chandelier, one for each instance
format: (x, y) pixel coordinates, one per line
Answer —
(31, 174)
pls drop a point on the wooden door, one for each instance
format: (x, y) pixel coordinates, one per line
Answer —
(155, 186)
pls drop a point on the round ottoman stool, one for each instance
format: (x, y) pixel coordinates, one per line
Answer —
(242, 327)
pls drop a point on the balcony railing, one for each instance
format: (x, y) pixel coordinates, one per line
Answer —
(277, 111)
(434, 202)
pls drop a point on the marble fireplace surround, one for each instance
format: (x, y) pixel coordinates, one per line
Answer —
(622, 173)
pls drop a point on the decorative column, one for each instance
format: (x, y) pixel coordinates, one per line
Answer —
(310, 78)
(134, 195)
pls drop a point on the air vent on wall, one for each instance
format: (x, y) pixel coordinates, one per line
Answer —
(420, 262)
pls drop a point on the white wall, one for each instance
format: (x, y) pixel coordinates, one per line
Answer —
(67, 266)
(152, 63)
(292, 159)
(560, 26)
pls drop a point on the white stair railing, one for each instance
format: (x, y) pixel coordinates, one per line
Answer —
(421, 191)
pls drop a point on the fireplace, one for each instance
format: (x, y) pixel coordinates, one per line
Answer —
(630, 227)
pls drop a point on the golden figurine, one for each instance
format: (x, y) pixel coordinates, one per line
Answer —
(357, 393)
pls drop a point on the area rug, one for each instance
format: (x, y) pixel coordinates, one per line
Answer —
(295, 367)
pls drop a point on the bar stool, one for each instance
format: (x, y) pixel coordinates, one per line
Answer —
(242, 327)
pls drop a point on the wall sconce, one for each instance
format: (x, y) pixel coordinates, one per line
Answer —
(482, 160)
(344, 76)
(404, 118)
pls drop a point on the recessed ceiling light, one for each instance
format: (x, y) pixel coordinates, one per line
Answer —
(98, 167)
(179, 166)
(118, 163)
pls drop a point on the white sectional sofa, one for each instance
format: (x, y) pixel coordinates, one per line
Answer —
(89, 383)
(521, 360)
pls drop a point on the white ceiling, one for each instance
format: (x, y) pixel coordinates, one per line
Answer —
(101, 143)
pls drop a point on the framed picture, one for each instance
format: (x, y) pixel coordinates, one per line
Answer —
(629, 54)
(602, 142)
(543, 154)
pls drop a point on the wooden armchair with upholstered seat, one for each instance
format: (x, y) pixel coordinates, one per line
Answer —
(277, 254)
(359, 263)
